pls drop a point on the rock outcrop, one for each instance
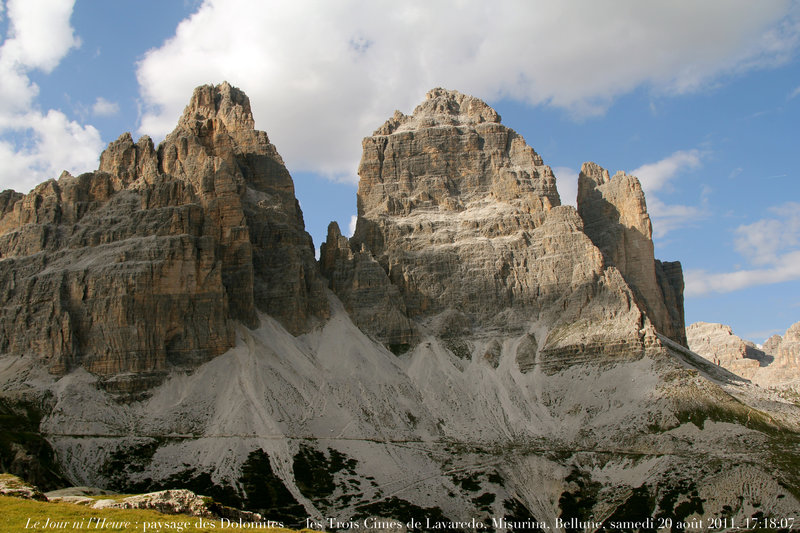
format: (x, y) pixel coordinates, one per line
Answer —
(179, 501)
(530, 374)
(15, 487)
(464, 220)
(144, 264)
(615, 218)
(786, 349)
(365, 289)
(718, 344)
(776, 364)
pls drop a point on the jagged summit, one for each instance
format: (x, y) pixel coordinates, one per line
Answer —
(451, 154)
(463, 216)
(222, 102)
(481, 351)
(776, 364)
(150, 261)
(615, 218)
(441, 108)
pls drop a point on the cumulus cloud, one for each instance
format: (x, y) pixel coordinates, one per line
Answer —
(39, 36)
(763, 241)
(771, 244)
(104, 108)
(36, 145)
(322, 75)
(657, 176)
(669, 217)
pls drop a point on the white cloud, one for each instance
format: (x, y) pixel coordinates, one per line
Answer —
(667, 218)
(323, 74)
(36, 145)
(700, 282)
(567, 184)
(54, 143)
(351, 227)
(40, 33)
(104, 108)
(763, 241)
(773, 244)
(655, 176)
(39, 36)
(794, 93)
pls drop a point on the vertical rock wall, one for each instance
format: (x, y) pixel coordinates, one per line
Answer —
(463, 218)
(143, 264)
(615, 218)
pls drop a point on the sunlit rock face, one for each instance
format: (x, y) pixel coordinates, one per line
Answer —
(145, 263)
(775, 364)
(465, 221)
(615, 218)
(480, 350)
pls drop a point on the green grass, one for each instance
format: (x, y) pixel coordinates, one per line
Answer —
(17, 513)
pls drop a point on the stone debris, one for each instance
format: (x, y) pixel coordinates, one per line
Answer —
(474, 349)
(178, 501)
(11, 485)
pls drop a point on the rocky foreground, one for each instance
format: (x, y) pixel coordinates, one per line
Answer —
(180, 501)
(474, 352)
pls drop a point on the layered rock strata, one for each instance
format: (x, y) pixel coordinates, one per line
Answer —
(528, 379)
(718, 344)
(144, 263)
(786, 349)
(464, 219)
(365, 289)
(775, 364)
(615, 217)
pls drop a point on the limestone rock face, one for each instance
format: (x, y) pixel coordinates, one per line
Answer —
(527, 374)
(447, 201)
(718, 344)
(776, 364)
(615, 218)
(463, 219)
(786, 349)
(268, 258)
(143, 264)
(670, 278)
(785, 369)
(363, 286)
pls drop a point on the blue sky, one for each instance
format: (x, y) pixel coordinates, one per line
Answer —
(700, 100)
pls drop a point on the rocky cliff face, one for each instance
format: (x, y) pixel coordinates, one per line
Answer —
(776, 364)
(144, 264)
(463, 218)
(786, 349)
(529, 373)
(718, 344)
(615, 218)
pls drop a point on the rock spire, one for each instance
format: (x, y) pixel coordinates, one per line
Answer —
(145, 263)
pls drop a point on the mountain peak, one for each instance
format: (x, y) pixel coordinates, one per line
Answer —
(468, 109)
(441, 107)
(222, 102)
